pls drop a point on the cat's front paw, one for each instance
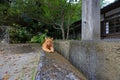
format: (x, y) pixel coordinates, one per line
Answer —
(52, 51)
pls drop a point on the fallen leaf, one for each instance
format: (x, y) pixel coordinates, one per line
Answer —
(14, 64)
(24, 67)
(17, 78)
(6, 77)
(6, 72)
(9, 58)
(1, 64)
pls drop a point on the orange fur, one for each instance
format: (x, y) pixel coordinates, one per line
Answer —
(48, 45)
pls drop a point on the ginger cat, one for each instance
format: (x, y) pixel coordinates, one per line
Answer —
(47, 46)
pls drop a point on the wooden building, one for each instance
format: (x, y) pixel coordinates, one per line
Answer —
(110, 23)
(75, 30)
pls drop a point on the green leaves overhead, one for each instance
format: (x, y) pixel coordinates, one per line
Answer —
(54, 10)
(58, 14)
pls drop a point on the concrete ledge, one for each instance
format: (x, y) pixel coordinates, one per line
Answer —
(98, 60)
(52, 66)
(19, 48)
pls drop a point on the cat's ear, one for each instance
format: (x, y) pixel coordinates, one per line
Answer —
(52, 38)
(45, 38)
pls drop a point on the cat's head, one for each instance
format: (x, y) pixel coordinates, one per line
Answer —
(49, 41)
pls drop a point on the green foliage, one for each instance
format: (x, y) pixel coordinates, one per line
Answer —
(19, 34)
(3, 13)
(54, 10)
(38, 38)
(60, 14)
(35, 15)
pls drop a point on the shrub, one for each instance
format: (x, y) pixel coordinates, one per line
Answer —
(38, 38)
(19, 35)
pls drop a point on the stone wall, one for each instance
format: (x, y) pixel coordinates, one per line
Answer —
(4, 35)
(98, 60)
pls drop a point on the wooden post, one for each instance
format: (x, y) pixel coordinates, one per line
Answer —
(90, 19)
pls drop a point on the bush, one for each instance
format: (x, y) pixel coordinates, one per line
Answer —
(19, 35)
(38, 38)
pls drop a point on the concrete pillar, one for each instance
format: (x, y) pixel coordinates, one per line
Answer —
(90, 19)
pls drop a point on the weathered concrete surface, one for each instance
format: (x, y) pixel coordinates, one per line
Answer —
(63, 48)
(19, 48)
(19, 61)
(98, 60)
(53, 66)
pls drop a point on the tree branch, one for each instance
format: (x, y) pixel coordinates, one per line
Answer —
(55, 27)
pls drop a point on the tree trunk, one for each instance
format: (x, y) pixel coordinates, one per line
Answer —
(63, 33)
(62, 28)
(67, 33)
(68, 28)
